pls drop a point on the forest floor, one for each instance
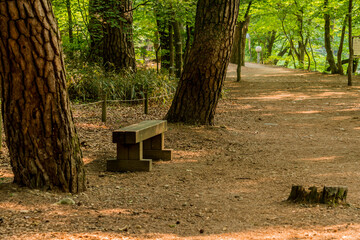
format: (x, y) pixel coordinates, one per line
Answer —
(277, 128)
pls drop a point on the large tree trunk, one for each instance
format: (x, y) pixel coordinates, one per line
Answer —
(95, 30)
(200, 85)
(40, 134)
(329, 52)
(118, 45)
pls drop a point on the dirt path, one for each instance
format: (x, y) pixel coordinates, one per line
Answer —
(276, 128)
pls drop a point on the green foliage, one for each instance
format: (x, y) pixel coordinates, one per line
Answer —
(90, 82)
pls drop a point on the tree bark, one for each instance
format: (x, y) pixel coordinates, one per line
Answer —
(40, 134)
(200, 85)
(329, 52)
(118, 44)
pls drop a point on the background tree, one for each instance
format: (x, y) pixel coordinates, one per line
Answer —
(40, 134)
(200, 85)
(118, 46)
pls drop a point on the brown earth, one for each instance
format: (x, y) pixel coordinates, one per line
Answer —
(276, 128)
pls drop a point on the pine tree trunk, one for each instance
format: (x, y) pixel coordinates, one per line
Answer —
(200, 86)
(43, 145)
(118, 45)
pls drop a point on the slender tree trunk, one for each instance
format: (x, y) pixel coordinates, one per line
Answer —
(188, 43)
(351, 50)
(329, 52)
(281, 53)
(341, 46)
(241, 46)
(200, 85)
(43, 145)
(157, 48)
(178, 48)
(270, 43)
(171, 49)
(312, 53)
(243, 40)
(235, 50)
(163, 29)
(70, 27)
(118, 44)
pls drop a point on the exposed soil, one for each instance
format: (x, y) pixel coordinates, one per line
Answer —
(276, 128)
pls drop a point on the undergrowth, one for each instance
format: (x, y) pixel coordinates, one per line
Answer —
(88, 83)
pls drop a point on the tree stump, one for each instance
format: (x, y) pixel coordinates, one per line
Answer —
(328, 195)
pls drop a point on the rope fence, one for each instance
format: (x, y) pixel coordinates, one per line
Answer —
(105, 101)
(125, 101)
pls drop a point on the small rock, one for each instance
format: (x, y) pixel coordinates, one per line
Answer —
(24, 211)
(197, 195)
(66, 201)
(184, 204)
(117, 187)
(138, 226)
(224, 228)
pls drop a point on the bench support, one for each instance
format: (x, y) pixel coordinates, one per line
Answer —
(138, 156)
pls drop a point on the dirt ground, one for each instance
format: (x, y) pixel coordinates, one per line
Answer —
(276, 128)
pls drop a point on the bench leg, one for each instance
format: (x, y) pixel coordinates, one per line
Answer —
(154, 149)
(129, 158)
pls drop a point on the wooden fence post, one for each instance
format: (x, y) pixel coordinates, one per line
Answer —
(103, 115)
(146, 103)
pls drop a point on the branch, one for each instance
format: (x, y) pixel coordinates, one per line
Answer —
(141, 4)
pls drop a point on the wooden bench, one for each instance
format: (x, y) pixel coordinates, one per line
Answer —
(138, 145)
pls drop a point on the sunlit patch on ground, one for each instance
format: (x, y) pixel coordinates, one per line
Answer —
(321, 159)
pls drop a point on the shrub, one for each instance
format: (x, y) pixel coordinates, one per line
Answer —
(90, 82)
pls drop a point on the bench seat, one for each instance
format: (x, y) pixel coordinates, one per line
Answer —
(138, 145)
